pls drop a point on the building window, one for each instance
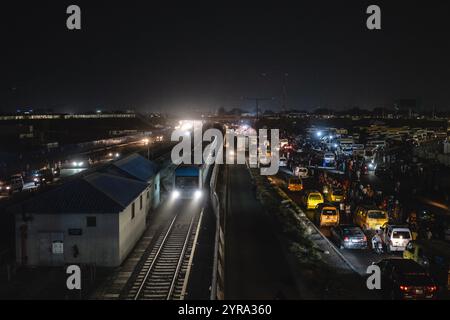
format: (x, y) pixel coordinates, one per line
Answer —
(132, 211)
(140, 202)
(148, 194)
(91, 222)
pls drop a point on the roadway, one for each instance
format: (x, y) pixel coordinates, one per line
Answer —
(255, 266)
(101, 156)
(360, 259)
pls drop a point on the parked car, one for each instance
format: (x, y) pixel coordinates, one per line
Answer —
(312, 199)
(381, 170)
(405, 279)
(395, 238)
(329, 158)
(283, 162)
(349, 237)
(295, 184)
(43, 176)
(416, 252)
(370, 217)
(326, 215)
(12, 184)
(301, 172)
(335, 195)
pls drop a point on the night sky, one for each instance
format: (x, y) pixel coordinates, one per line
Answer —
(202, 55)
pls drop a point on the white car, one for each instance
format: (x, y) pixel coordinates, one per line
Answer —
(369, 155)
(329, 157)
(301, 172)
(283, 162)
(348, 151)
(395, 238)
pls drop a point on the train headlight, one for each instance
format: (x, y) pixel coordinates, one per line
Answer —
(197, 194)
(175, 194)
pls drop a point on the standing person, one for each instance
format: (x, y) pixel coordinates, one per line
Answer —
(397, 187)
(348, 212)
(342, 212)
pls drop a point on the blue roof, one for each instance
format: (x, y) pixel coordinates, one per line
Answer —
(95, 193)
(119, 189)
(137, 167)
(76, 196)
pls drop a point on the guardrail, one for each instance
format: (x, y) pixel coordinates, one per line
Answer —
(218, 281)
(301, 216)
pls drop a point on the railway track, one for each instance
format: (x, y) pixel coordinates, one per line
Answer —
(164, 272)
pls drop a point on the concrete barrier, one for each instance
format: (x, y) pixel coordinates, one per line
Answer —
(219, 209)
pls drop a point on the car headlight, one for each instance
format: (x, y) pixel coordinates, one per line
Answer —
(176, 194)
(36, 179)
(8, 188)
(197, 194)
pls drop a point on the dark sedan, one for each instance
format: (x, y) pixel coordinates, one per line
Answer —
(349, 237)
(405, 279)
(381, 170)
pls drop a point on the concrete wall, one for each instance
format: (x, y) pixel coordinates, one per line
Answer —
(155, 191)
(96, 245)
(105, 245)
(131, 230)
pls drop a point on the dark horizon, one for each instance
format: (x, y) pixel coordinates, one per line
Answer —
(201, 56)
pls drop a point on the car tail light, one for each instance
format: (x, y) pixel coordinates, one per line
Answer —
(365, 238)
(431, 288)
(346, 239)
(404, 288)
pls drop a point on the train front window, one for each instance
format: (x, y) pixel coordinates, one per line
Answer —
(186, 182)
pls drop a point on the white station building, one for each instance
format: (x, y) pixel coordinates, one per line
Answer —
(95, 219)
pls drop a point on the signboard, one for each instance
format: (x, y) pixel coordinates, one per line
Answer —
(75, 232)
(57, 247)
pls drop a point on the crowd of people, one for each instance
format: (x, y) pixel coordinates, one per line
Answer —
(394, 198)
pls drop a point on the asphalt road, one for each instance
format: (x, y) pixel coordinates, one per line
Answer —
(359, 258)
(255, 266)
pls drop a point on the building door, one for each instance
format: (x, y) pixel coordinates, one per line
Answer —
(57, 249)
(51, 249)
(45, 249)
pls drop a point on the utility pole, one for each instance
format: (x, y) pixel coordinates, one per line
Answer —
(257, 101)
(284, 94)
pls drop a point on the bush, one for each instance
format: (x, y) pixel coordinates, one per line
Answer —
(292, 229)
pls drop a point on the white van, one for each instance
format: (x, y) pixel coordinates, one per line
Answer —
(377, 143)
(329, 157)
(283, 162)
(396, 238)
